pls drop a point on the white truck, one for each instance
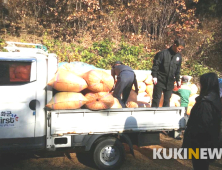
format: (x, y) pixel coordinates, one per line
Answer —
(26, 125)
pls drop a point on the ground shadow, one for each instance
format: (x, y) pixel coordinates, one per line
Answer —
(86, 158)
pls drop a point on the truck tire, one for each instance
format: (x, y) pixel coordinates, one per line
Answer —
(109, 154)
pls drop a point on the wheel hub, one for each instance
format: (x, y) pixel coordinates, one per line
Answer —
(109, 155)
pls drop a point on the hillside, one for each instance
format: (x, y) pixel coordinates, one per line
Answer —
(99, 32)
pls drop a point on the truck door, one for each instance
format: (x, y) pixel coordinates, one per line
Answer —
(17, 99)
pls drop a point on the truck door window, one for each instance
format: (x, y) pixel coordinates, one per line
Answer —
(14, 72)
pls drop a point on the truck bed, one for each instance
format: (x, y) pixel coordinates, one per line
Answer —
(124, 120)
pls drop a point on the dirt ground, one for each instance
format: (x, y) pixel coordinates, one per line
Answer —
(143, 160)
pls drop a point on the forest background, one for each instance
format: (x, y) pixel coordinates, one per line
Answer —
(99, 32)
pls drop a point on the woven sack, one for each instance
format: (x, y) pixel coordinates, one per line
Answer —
(193, 88)
(66, 100)
(99, 81)
(132, 96)
(99, 101)
(149, 80)
(67, 81)
(149, 90)
(141, 77)
(143, 104)
(141, 87)
(116, 104)
(79, 71)
(132, 104)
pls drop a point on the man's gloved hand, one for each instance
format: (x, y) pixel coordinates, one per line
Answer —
(178, 84)
(154, 80)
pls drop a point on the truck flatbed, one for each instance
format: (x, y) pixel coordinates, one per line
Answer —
(84, 121)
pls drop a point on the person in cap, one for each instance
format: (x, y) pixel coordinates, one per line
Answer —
(165, 71)
(184, 92)
(126, 78)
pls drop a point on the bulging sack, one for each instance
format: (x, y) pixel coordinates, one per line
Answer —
(67, 81)
(99, 81)
(67, 100)
(149, 80)
(193, 88)
(141, 87)
(132, 104)
(79, 69)
(99, 101)
(132, 96)
(116, 104)
(138, 104)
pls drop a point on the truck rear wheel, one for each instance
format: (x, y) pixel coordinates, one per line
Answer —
(109, 154)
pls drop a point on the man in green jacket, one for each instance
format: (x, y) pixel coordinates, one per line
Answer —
(165, 71)
(184, 92)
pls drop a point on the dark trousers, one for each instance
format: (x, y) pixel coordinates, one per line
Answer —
(123, 86)
(157, 92)
(200, 164)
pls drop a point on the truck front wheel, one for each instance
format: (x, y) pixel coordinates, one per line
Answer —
(109, 154)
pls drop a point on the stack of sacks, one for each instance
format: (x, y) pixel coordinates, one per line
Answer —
(99, 83)
(70, 85)
(78, 68)
(80, 85)
(74, 84)
(20, 72)
(144, 81)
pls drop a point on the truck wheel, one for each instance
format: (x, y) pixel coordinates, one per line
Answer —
(109, 154)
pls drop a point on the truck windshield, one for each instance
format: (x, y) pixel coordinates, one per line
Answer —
(14, 72)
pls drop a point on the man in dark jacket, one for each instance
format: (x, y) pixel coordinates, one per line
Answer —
(125, 80)
(165, 71)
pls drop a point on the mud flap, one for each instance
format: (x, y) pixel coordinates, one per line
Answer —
(128, 141)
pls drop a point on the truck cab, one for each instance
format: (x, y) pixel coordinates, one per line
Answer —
(24, 73)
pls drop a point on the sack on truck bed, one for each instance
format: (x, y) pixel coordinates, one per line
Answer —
(67, 100)
(67, 81)
(99, 81)
(76, 67)
(116, 104)
(99, 101)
